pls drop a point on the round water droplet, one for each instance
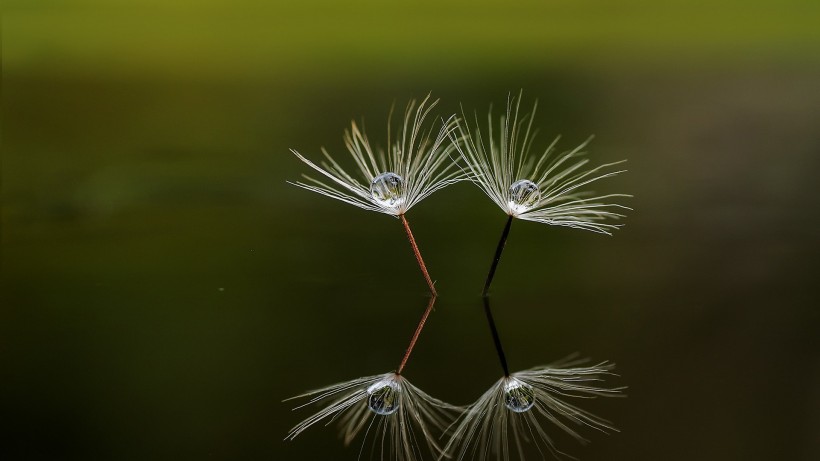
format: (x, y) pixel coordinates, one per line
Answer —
(518, 396)
(524, 194)
(383, 397)
(387, 189)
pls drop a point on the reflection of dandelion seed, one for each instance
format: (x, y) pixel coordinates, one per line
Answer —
(414, 166)
(400, 414)
(545, 189)
(511, 412)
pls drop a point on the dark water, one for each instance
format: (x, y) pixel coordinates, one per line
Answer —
(163, 288)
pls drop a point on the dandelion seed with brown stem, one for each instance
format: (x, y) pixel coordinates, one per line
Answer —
(414, 166)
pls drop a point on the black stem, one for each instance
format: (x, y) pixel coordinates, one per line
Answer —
(499, 249)
(496, 339)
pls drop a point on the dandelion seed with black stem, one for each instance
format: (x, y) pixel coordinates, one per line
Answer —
(545, 189)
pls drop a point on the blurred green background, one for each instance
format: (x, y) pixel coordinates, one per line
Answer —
(163, 288)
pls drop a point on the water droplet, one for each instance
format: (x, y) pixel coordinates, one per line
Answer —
(518, 396)
(383, 397)
(524, 194)
(387, 189)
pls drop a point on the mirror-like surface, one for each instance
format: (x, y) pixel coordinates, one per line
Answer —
(164, 288)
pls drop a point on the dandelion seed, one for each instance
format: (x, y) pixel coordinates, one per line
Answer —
(546, 189)
(514, 411)
(414, 166)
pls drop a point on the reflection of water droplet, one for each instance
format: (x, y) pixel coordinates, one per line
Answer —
(383, 397)
(518, 396)
(524, 194)
(387, 188)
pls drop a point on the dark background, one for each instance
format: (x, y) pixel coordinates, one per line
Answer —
(163, 288)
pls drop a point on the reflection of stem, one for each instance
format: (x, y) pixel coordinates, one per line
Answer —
(416, 334)
(418, 255)
(497, 257)
(496, 339)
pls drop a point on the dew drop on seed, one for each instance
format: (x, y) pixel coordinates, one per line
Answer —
(383, 397)
(524, 194)
(518, 396)
(386, 188)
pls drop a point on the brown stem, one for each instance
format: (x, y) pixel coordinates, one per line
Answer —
(416, 334)
(418, 255)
